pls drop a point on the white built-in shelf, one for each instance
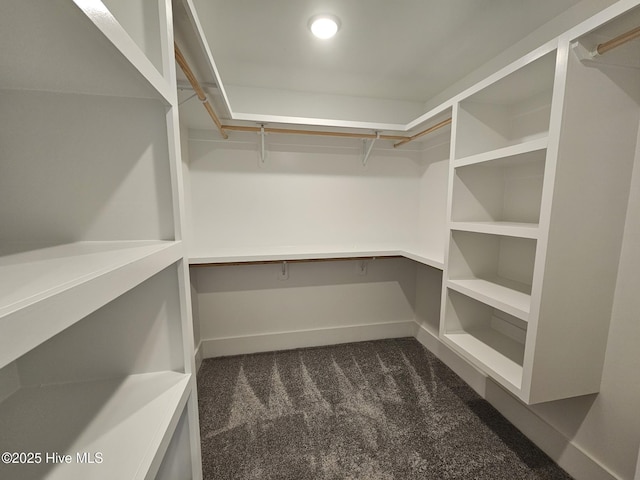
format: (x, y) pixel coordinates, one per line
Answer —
(513, 110)
(499, 294)
(496, 352)
(128, 420)
(45, 290)
(509, 229)
(520, 148)
(433, 259)
(291, 253)
(63, 52)
(122, 36)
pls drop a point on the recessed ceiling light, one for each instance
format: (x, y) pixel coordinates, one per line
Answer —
(324, 26)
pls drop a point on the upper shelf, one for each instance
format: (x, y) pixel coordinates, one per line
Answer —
(513, 110)
(66, 50)
(46, 290)
(519, 149)
(326, 252)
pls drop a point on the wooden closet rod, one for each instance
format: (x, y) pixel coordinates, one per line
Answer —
(182, 62)
(424, 132)
(198, 89)
(312, 132)
(603, 48)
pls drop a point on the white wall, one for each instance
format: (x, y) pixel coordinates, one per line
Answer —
(310, 191)
(607, 426)
(246, 308)
(432, 191)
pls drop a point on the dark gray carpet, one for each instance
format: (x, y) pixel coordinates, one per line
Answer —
(383, 410)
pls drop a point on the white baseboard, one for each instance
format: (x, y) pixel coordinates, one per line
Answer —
(551, 441)
(198, 356)
(220, 347)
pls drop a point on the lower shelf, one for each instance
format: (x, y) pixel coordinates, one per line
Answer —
(489, 337)
(111, 429)
(312, 253)
(495, 351)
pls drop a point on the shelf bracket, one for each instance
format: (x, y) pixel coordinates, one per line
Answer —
(367, 149)
(361, 267)
(263, 153)
(283, 273)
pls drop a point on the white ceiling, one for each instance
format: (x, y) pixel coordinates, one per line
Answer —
(401, 50)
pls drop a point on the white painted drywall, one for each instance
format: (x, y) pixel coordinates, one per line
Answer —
(608, 425)
(104, 181)
(309, 191)
(251, 301)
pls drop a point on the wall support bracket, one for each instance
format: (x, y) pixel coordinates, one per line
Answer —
(263, 153)
(367, 148)
(283, 273)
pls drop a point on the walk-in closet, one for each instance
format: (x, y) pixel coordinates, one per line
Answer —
(232, 250)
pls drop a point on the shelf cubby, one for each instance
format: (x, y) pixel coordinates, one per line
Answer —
(505, 190)
(105, 384)
(46, 290)
(486, 336)
(84, 167)
(138, 408)
(64, 50)
(495, 269)
(140, 19)
(510, 111)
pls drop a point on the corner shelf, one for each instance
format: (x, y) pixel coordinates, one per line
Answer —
(141, 409)
(311, 253)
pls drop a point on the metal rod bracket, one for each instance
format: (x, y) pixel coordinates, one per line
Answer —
(367, 149)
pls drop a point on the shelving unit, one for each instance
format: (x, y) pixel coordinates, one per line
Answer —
(95, 319)
(536, 216)
(498, 182)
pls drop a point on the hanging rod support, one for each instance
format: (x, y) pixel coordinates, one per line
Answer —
(603, 48)
(424, 132)
(263, 154)
(367, 151)
(182, 62)
(283, 274)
